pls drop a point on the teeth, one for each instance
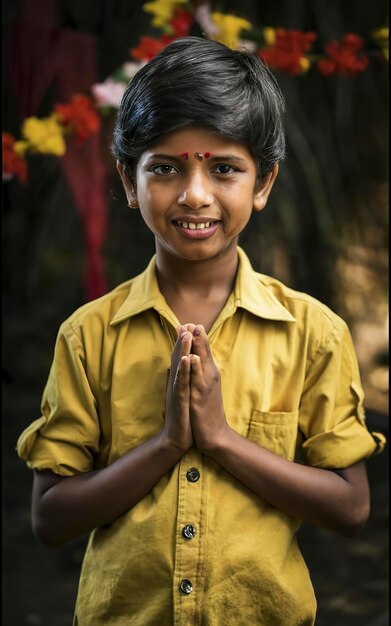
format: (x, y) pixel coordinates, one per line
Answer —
(193, 226)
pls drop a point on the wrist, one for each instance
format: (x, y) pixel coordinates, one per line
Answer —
(171, 447)
(215, 445)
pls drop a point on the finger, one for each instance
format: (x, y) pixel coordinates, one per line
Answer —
(181, 348)
(197, 375)
(183, 338)
(180, 329)
(190, 327)
(186, 341)
(200, 344)
(182, 376)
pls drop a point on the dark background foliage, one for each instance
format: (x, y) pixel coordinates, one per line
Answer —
(324, 231)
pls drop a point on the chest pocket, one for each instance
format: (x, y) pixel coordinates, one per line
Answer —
(277, 432)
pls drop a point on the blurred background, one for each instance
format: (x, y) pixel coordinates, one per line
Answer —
(68, 235)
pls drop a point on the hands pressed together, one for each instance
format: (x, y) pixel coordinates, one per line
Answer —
(194, 405)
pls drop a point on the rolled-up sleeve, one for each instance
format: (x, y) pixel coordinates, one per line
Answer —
(332, 416)
(65, 438)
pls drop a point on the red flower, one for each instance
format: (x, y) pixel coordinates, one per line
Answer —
(181, 23)
(147, 48)
(79, 115)
(288, 50)
(344, 57)
(13, 165)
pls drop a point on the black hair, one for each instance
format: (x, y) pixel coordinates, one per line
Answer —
(199, 82)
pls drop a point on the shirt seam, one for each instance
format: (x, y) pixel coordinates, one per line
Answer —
(322, 349)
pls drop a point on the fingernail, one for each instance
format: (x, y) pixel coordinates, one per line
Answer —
(197, 332)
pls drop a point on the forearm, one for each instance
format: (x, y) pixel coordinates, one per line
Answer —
(72, 506)
(336, 501)
(66, 507)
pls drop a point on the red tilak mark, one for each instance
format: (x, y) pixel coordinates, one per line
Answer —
(184, 155)
(207, 155)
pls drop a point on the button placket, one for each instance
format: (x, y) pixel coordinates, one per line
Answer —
(189, 549)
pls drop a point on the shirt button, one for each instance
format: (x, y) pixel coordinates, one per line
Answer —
(192, 475)
(186, 586)
(189, 531)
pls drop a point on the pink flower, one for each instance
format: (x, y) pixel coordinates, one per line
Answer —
(131, 68)
(109, 93)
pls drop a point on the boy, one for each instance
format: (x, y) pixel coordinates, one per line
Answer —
(178, 405)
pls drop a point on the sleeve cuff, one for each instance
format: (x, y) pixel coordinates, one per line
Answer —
(345, 445)
(40, 452)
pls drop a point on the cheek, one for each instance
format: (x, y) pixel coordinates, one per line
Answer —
(153, 195)
(146, 199)
(152, 208)
(242, 207)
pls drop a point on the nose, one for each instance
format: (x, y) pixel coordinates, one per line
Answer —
(196, 192)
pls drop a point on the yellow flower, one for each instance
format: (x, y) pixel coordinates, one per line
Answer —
(381, 34)
(229, 27)
(381, 37)
(304, 64)
(20, 147)
(269, 35)
(162, 10)
(42, 135)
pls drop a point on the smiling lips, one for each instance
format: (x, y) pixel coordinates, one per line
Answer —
(197, 230)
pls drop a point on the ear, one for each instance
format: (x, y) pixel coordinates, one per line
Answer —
(262, 194)
(127, 182)
(128, 185)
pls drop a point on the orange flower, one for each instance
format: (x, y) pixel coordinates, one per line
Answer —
(80, 116)
(13, 165)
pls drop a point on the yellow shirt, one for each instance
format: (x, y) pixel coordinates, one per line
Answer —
(200, 548)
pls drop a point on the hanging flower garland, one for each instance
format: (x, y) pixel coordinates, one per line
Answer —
(287, 51)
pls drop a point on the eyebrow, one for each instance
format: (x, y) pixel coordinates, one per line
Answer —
(214, 157)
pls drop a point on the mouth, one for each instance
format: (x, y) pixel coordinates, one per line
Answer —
(197, 230)
(195, 225)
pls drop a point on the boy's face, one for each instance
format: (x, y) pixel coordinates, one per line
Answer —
(197, 206)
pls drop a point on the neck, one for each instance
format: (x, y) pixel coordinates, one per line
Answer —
(199, 276)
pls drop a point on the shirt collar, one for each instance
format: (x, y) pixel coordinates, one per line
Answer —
(144, 293)
(252, 294)
(249, 293)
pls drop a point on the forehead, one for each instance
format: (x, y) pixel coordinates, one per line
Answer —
(198, 139)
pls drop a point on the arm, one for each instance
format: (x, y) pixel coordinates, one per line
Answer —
(335, 500)
(66, 507)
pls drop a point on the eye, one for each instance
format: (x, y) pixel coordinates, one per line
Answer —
(224, 168)
(163, 170)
